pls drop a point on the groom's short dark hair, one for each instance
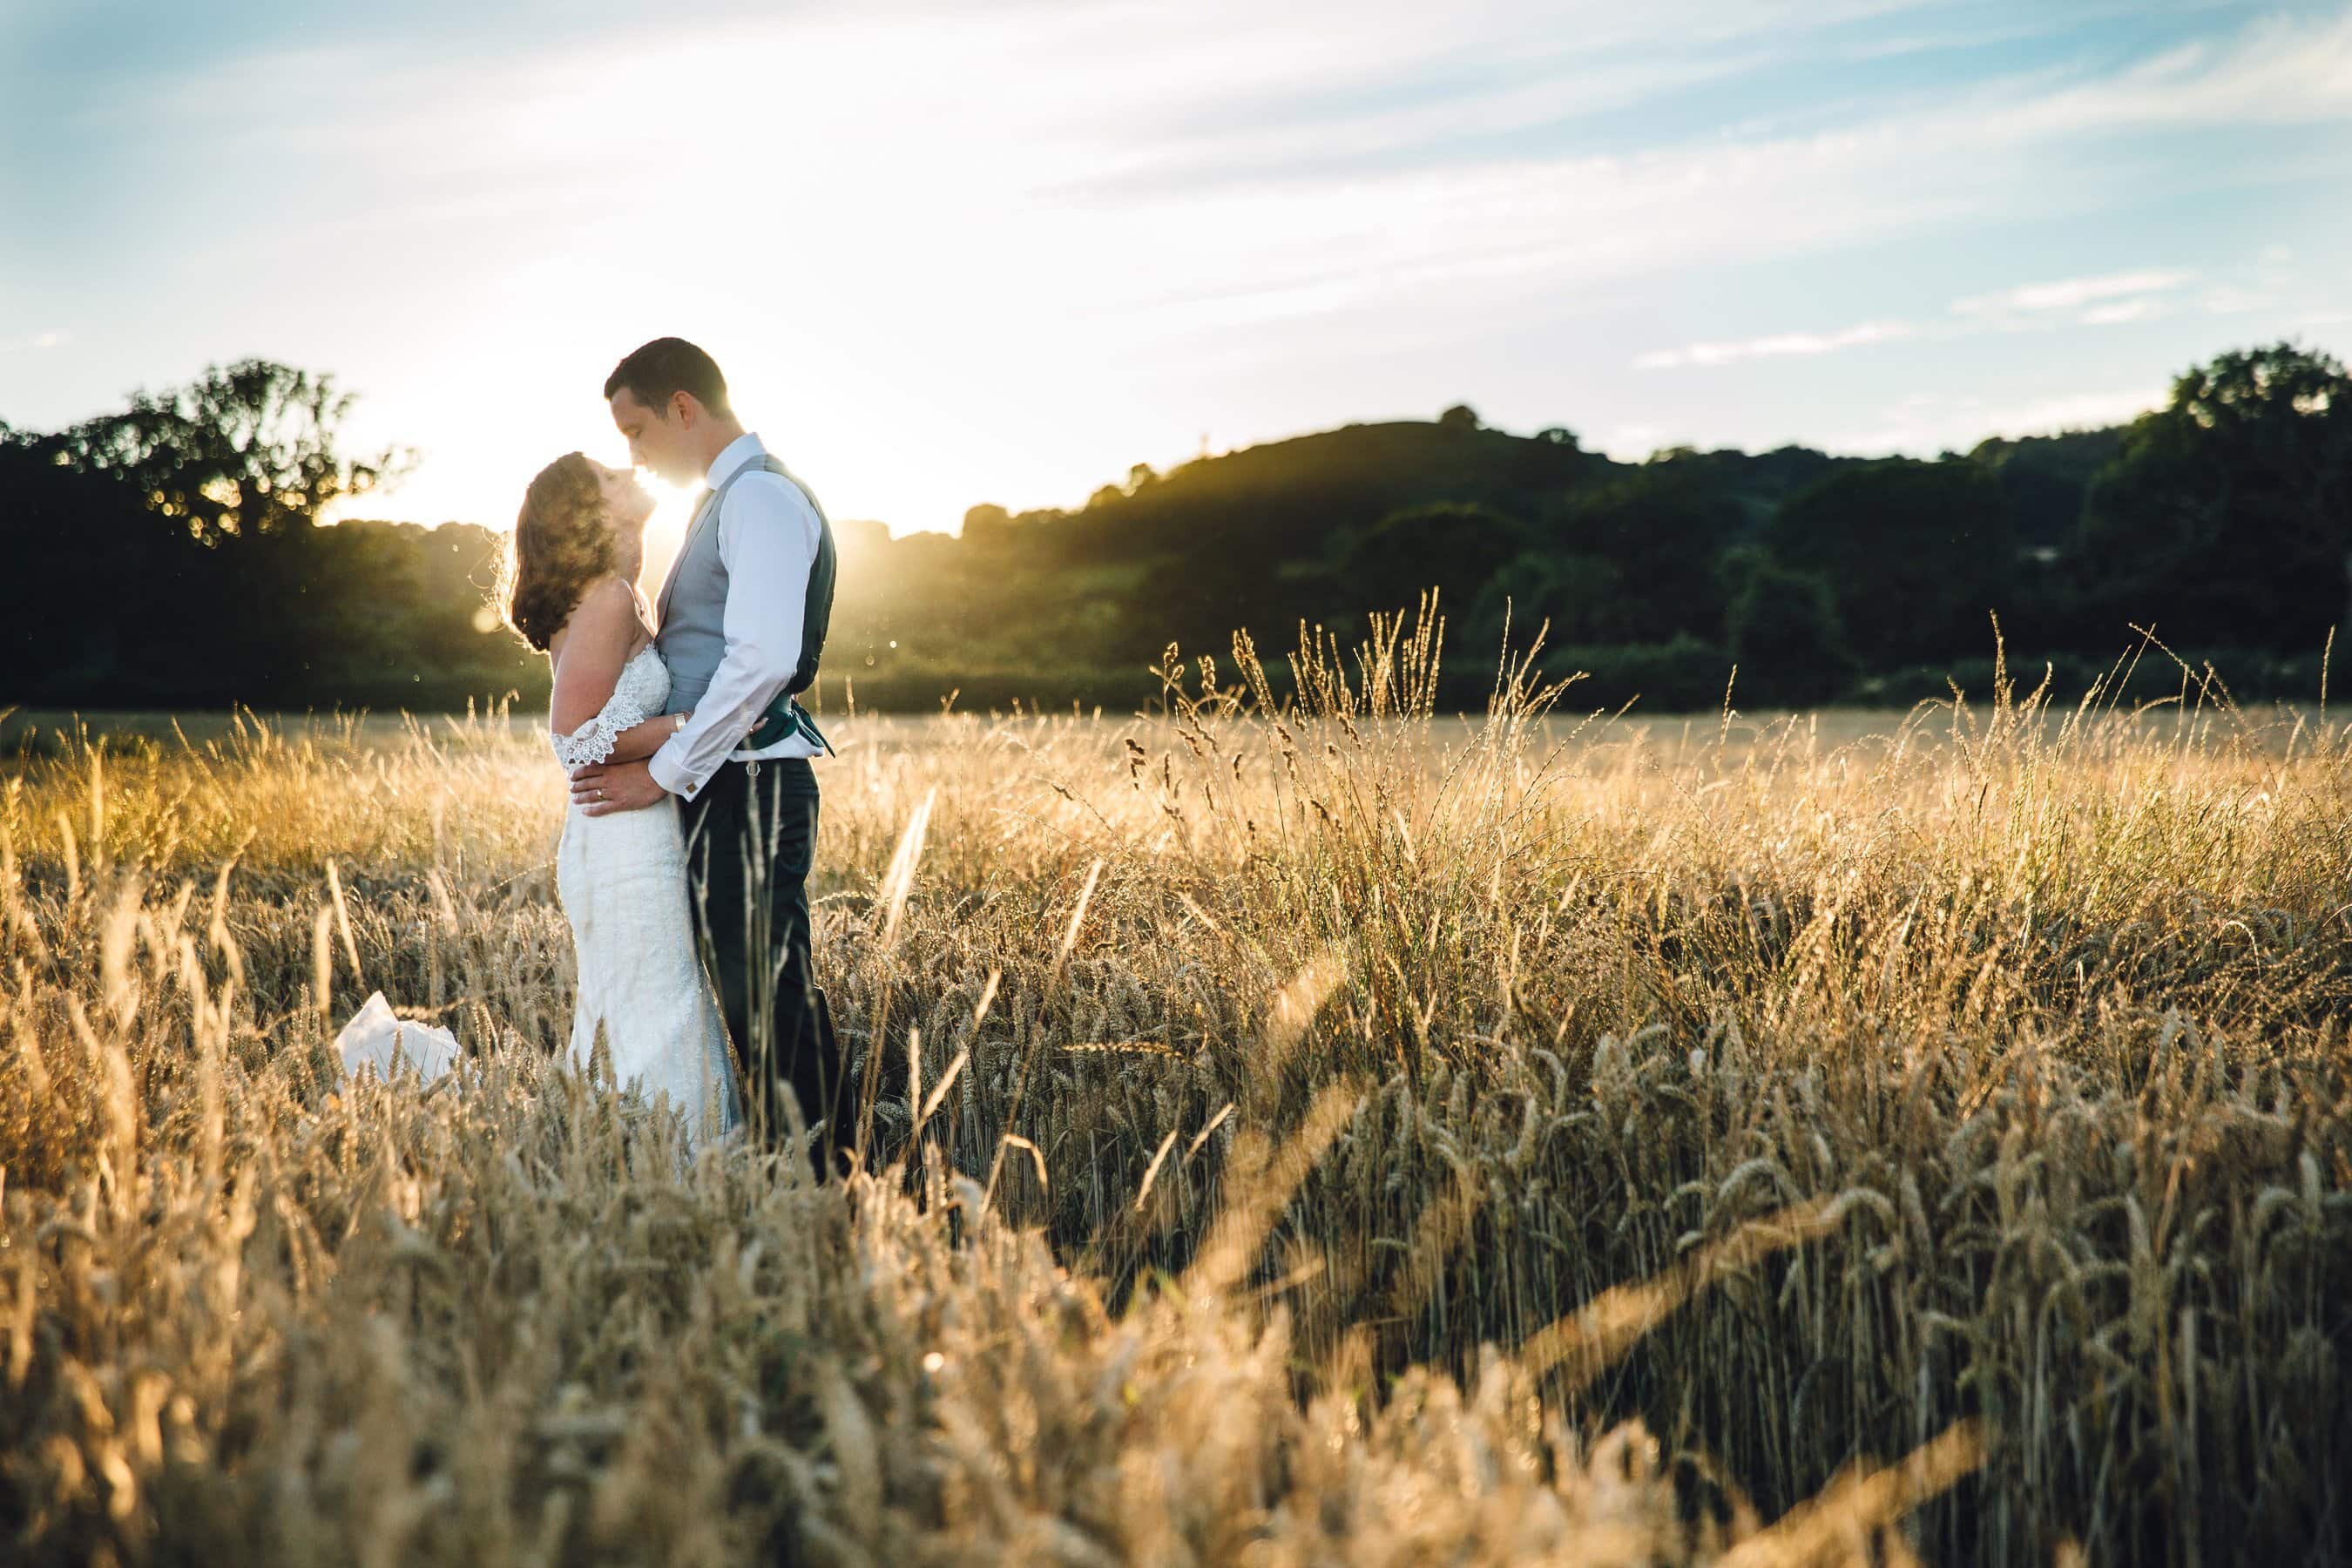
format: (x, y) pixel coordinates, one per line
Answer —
(664, 367)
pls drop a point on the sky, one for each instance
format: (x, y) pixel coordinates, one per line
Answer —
(1001, 250)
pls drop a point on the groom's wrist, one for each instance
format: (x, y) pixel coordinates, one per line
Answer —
(661, 769)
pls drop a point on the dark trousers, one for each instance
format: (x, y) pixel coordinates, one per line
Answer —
(750, 841)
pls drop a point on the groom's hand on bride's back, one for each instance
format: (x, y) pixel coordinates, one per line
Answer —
(603, 788)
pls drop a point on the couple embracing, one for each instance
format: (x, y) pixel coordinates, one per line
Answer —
(686, 851)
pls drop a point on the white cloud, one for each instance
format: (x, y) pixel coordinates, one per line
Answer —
(1776, 344)
(2068, 293)
(2121, 311)
(2127, 297)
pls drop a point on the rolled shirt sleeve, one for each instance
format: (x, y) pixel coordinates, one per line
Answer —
(768, 538)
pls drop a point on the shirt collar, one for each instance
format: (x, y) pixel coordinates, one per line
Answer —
(734, 455)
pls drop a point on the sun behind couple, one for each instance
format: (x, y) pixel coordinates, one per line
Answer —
(693, 803)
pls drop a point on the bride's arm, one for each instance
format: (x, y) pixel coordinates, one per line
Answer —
(644, 740)
(596, 641)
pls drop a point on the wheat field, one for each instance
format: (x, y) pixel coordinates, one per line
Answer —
(1351, 1135)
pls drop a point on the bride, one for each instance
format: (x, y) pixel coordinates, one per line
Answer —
(577, 548)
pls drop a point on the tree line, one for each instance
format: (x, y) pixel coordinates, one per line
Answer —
(167, 557)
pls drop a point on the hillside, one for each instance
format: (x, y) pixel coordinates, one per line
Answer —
(182, 575)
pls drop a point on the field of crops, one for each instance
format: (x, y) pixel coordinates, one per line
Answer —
(1354, 1136)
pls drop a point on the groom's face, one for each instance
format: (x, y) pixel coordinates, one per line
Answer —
(659, 438)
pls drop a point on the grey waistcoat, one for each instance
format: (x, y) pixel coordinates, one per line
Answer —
(693, 603)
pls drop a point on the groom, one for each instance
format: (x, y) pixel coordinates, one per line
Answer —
(743, 614)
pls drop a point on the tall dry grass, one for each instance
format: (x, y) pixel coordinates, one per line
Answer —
(1342, 1120)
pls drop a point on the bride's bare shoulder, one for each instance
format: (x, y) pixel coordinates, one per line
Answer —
(606, 613)
(611, 594)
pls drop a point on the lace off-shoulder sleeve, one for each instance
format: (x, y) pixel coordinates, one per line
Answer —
(593, 742)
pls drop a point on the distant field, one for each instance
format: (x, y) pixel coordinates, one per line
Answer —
(1934, 1130)
(1673, 737)
(51, 725)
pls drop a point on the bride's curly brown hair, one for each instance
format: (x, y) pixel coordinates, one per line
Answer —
(561, 542)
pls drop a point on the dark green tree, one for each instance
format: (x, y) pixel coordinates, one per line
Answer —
(987, 527)
(1583, 598)
(1453, 547)
(2226, 519)
(1915, 554)
(241, 451)
(1662, 526)
(1783, 626)
(2046, 478)
(100, 597)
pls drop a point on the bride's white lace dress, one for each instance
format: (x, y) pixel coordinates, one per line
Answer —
(621, 878)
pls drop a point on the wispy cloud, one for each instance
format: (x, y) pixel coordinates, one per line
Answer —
(2110, 299)
(1776, 344)
(1989, 152)
(2070, 292)
(2145, 307)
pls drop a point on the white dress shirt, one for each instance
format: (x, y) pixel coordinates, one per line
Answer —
(768, 536)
